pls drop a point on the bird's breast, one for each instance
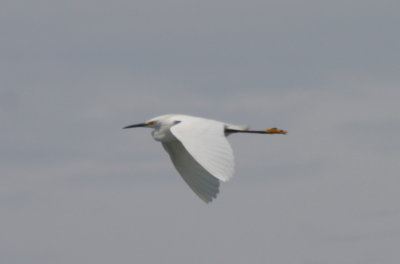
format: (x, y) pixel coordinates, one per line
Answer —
(163, 135)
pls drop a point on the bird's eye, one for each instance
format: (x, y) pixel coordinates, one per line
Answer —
(177, 122)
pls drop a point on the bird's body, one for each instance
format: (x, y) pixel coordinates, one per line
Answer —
(199, 149)
(162, 130)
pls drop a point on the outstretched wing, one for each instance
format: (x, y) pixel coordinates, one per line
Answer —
(205, 141)
(199, 180)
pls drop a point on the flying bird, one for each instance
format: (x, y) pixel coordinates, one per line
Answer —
(198, 148)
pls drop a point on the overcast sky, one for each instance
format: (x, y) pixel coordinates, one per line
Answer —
(76, 188)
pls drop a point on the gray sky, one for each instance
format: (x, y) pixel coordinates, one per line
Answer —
(76, 188)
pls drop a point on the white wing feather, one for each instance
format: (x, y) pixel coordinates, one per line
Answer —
(205, 141)
(199, 180)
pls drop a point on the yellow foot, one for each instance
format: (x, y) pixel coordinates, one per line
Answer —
(275, 130)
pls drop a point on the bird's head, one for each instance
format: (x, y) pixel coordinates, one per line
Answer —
(157, 122)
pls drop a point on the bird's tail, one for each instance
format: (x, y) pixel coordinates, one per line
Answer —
(229, 128)
(236, 127)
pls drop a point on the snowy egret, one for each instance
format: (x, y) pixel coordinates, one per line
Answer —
(198, 149)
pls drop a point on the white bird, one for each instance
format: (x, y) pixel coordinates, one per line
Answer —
(199, 149)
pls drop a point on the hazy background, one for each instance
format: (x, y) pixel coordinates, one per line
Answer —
(76, 188)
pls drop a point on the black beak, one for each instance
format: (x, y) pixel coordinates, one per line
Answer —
(136, 125)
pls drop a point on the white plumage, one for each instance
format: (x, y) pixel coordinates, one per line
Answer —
(203, 183)
(206, 142)
(199, 149)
